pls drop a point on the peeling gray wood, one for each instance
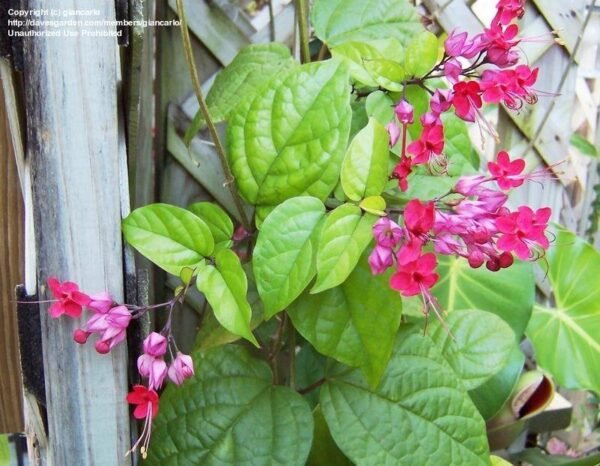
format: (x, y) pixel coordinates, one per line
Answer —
(71, 102)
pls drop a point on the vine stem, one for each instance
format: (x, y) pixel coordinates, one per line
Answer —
(302, 12)
(189, 57)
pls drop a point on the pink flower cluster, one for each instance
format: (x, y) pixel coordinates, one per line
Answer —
(472, 221)
(109, 321)
(494, 48)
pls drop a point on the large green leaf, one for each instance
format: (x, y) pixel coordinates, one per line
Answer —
(508, 293)
(462, 157)
(346, 233)
(387, 74)
(284, 258)
(365, 166)
(420, 414)
(477, 347)
(355, 323)
(491, 396)
(421, 54)
(290, 140)
(354, 54)
(217, 220)
(248, 73)
(225, 285)
(169, 236)
(229, 413)
(340, 21)
(324, 451)
(566, 339)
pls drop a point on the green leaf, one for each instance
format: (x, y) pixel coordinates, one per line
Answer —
(248, 73)
(4, 451)
(290, 139)
(497, 461)
(508, 293)
(574, 325)
(225, 286)
(420, 414)
(427, 187)
(229, 413)
(583, 145)
(354, 55)
(365, 166)
(359, 119)
(355, 323)
(380, 106)
(458, 147)
(491, 396)
(419, 99)
(478, 347)
(374, 205)
(169, 236)
(324, 451)
(421, 54)
(217, 220)
(346, 233)
(340, 21)
(386, 73)
(284, 258)
(310, 368)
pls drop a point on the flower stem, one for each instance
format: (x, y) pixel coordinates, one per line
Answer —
(189, 56)
(302, 12)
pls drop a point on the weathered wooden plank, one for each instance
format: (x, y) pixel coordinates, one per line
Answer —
(11, 272)
(71, 102)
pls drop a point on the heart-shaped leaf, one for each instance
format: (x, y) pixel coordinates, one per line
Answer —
(229, 413)
(169, 236)
(419, 414)
(477, 347)
(573, 326)
(217, 220)
(354, 55)
(284, 258)
(421, 54)
(290, 140)
(225, 285)
(346, 233)
(355, 323)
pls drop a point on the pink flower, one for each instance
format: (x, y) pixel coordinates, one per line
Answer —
(410, 251)
(441, 100)
(508, 10)
(153, 368)
(521, 231)
(419, 217)
(100, 303)
(430, 143)
(499, 43)
(401, 172)
(155, 345)
(507, 173)
(404, 112)
(70, 300)
(145, 401)
(181, 368)
(458, 44)
(510, 87)
(469, 185)
(394, 132)
(467, 99)
(380, 259)
(387, 233)
(112, 326)
(416, 277)
(452, 70)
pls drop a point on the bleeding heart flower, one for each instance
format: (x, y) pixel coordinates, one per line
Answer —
(145, 401)
(404, 112)
(507, 173)
(467, 99)
(419, 217)
(401, 172)
(181, 368)
(155, 345)
(523, 230)
(70, 300)
(394, 132)
(416, 277)
(380, 259)
(387, 233)
(430, 143)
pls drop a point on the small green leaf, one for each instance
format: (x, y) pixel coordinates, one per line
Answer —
(284, 258)
(583, 145)
(217, 220)
(354, 55)
(365, 166)
(462, 157)
(187, 274)
(477, 347)
(421, 54)
(508, 293)
(380, 106)
(355, 323)
(340, 21)
(420, 413)
(574, 325)
(497, 461)
(346, 233)
(224, 286)
(386, 73)
(324, 451)
(374, 205)
(290, 139)
(359, 118)
(230, 413)
(168, 236)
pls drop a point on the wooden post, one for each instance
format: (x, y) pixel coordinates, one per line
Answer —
(72, 142)
(11, 250)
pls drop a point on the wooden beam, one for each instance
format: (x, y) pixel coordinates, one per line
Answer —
(73, 145)
(11, 273)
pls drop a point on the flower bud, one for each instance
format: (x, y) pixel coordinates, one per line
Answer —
(394, 132)
(81, 336)
(100, 303)
(102, 347)
(181, 368)
(155, 345)
(404, 112)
